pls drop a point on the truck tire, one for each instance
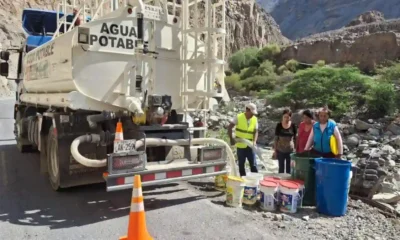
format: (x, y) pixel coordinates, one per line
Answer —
(53, 162)
(21, 135)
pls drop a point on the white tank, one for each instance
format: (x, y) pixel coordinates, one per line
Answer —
(100, 74)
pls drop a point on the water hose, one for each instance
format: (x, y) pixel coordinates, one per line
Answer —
(95, 138)
(254, 148)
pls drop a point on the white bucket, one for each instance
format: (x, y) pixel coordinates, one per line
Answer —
(234, 191)
(257, 176)
(269, 194)
(289, 193)
(302, 190)
(250, 190)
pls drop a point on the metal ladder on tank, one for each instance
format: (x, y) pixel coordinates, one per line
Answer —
(210, 36)
(88, 9)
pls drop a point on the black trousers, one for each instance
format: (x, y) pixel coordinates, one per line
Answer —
(282, 159)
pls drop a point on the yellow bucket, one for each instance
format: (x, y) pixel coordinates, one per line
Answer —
(220, 182)
(234, 191)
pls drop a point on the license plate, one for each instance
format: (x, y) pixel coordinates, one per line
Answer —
(124, 146)
(212, 154)
(127, 162)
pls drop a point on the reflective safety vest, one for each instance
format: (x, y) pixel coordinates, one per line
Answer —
(244, 130)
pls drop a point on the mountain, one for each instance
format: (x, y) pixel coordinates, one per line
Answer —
(248, 24)
(300, 18)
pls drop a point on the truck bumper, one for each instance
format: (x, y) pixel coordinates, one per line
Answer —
(153, 176)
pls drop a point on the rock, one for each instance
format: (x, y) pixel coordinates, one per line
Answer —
(353, 140)
(306, 218)
(371, 172)
(267, 215)
(373, 143)
(381, 162)
(361, 125)
(387, 149)
(394, 128)
(371, 177)
(391, 163)
(372, 165)
(367, 17)
(363, 146)
(373, 132)
(382, 172)
(388, 187)
(278, 217)
(387, 197)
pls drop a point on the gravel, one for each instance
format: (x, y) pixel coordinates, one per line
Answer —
(361, 221)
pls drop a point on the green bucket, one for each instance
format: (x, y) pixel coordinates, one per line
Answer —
(303, 169)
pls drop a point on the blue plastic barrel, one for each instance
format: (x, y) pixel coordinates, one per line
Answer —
(332, 186)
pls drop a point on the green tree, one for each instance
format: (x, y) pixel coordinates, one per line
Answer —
(258, 83)
(269, 52)
(266, 68)
(292, 65)
(233, 82)
(242, 59)
(320, 63)
(247, 72)
(390, 74)
(381, 99)
(340, 88)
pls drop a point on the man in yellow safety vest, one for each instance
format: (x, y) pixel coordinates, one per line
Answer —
(247, 128)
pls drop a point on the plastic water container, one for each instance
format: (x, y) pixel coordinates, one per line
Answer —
(289, 193)
(301, 192)
(220, 182)
(234, 191)
(269, 193)
(250, 190)
(257, 176)
(332, 184)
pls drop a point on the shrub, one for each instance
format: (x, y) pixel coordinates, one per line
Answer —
(269, 52)
(267, 68)
(320, 63)
(242, 59)
(292, 65)
(340, 88)
(390, 74)
(247, 72)
(381, 99)
(258, 83)
(282, 69)
(233, 82)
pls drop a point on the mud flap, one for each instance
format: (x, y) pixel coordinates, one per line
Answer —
(73, 173)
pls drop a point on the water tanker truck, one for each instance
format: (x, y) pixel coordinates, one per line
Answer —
(105, 88)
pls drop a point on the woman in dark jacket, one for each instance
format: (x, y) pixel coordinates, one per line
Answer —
(285, 140)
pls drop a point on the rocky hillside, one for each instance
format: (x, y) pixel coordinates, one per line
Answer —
(369, 40)
(300, 18)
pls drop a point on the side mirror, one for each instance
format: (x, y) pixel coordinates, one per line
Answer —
(5, 56)
(4, 67)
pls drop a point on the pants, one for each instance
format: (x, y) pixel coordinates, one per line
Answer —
(324, 155)
(248, 153)
(282, 159)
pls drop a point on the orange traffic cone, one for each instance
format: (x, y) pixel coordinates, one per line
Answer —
(137, 229)
(119, 134)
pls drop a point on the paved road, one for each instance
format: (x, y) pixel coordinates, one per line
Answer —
(29, 209)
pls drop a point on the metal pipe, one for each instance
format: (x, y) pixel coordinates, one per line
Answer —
(95, 138)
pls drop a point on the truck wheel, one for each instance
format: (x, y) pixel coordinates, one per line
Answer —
(53, 160)
(20, 132)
